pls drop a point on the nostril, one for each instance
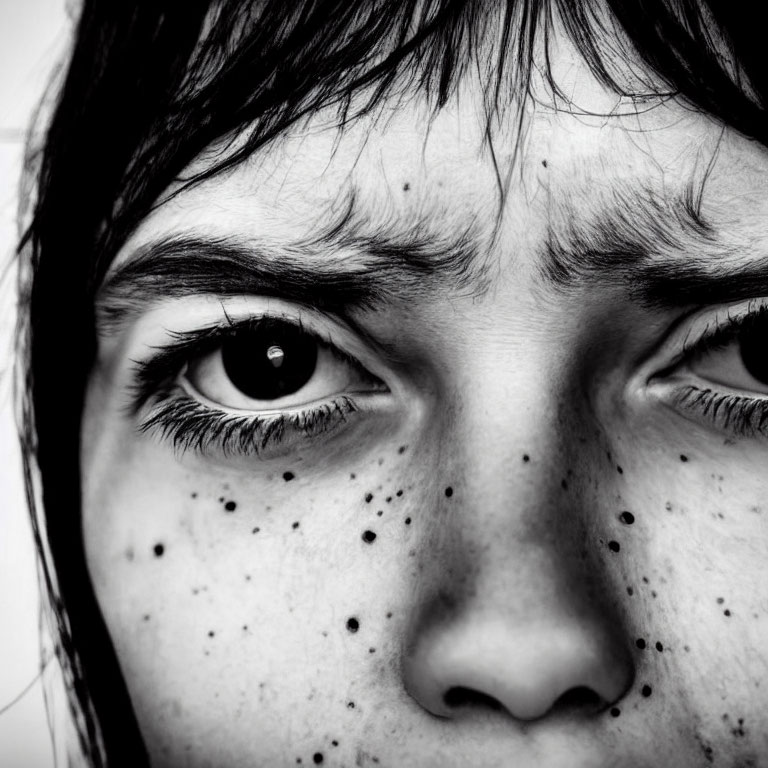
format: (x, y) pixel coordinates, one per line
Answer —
(467, 697)
(578, 699)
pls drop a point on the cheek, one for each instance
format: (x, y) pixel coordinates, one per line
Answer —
(216, 586)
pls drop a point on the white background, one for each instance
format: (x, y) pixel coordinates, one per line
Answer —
(33, 36)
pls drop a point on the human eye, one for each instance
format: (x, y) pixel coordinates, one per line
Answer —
(245, 387)
(719, 376)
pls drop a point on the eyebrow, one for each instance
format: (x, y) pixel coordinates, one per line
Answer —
(375, 267)
(660, 250)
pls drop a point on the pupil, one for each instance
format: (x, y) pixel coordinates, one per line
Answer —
(753, 352)
(269, 361)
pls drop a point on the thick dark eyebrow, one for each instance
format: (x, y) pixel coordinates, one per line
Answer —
(374, 269)
(659, 250)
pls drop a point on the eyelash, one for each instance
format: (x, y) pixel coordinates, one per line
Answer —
(741, 415)
(175, 416)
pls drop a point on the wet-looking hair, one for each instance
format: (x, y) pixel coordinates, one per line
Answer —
(149, 86)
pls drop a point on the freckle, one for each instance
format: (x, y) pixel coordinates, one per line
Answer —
(245, 627)
(230, 506)
(381, 461)
(399, 493)
(627, 518)
(630, 591)
(683, 457)
(317, 758)
(369, 537)
(388, 499)
(668, 506)
(295, 525)
(614, 546)
(544, 163)
(129, 554)
(406, 186)
(193, 495)
(407, 520)
(615, 712)
(288, 476)
(402, 449)
(726, 612)
(256, 529)
(449, 492)
(158, 549)
(645, 580)
(371, 650)
(368, 498)
(335, 743)
(352, 476)
(526, 458)
(564, 484)
(247, 576)
(353, 624)
(350, 705)
(380, 513)
(389, 615)
(211, 634)
(640, 643)
(687, 648)
(654, 593)
(145, 617)
(659, 647)
(720, 600)
(619, 470)
(646, 690)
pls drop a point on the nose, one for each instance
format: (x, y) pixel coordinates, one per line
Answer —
(529, 671)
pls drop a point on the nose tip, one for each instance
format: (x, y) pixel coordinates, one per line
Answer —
(528, 673)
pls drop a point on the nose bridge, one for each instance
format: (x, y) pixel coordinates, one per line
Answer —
(512, 606)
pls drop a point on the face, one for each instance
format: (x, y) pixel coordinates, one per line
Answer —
(383, 467)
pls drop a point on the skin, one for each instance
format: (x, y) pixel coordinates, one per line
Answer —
(535, 405)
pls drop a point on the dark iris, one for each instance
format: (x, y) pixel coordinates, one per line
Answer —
(754, 351)
(271, 360)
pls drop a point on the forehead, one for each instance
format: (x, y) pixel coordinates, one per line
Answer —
(407, 167)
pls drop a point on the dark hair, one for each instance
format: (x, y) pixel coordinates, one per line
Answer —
(149, 86)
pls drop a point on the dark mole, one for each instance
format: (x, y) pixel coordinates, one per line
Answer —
(158, 549)
(659, 647)
(544, 163)
(619, 470)
(368, 498)
(352, 476)
(627, 518)
(350, 705)
(380, 513)
(614, 546)
(526, 458)
(388, 499)
(683, 457)
(353, 624)
(399, 493)
(295, 525)
(406, 186)
(449, 492)
(402, 449)
(726, 612)
(256, 529)
(211, 634)
(615, 711)
(371, 650)
(640, 643)
(646, 690)
(288, 476)
(564, 484)
(230, 506)
(369, 537)
(389, 614)
(335, 743)
(407, 520)
(630, 591)
(317, 757)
